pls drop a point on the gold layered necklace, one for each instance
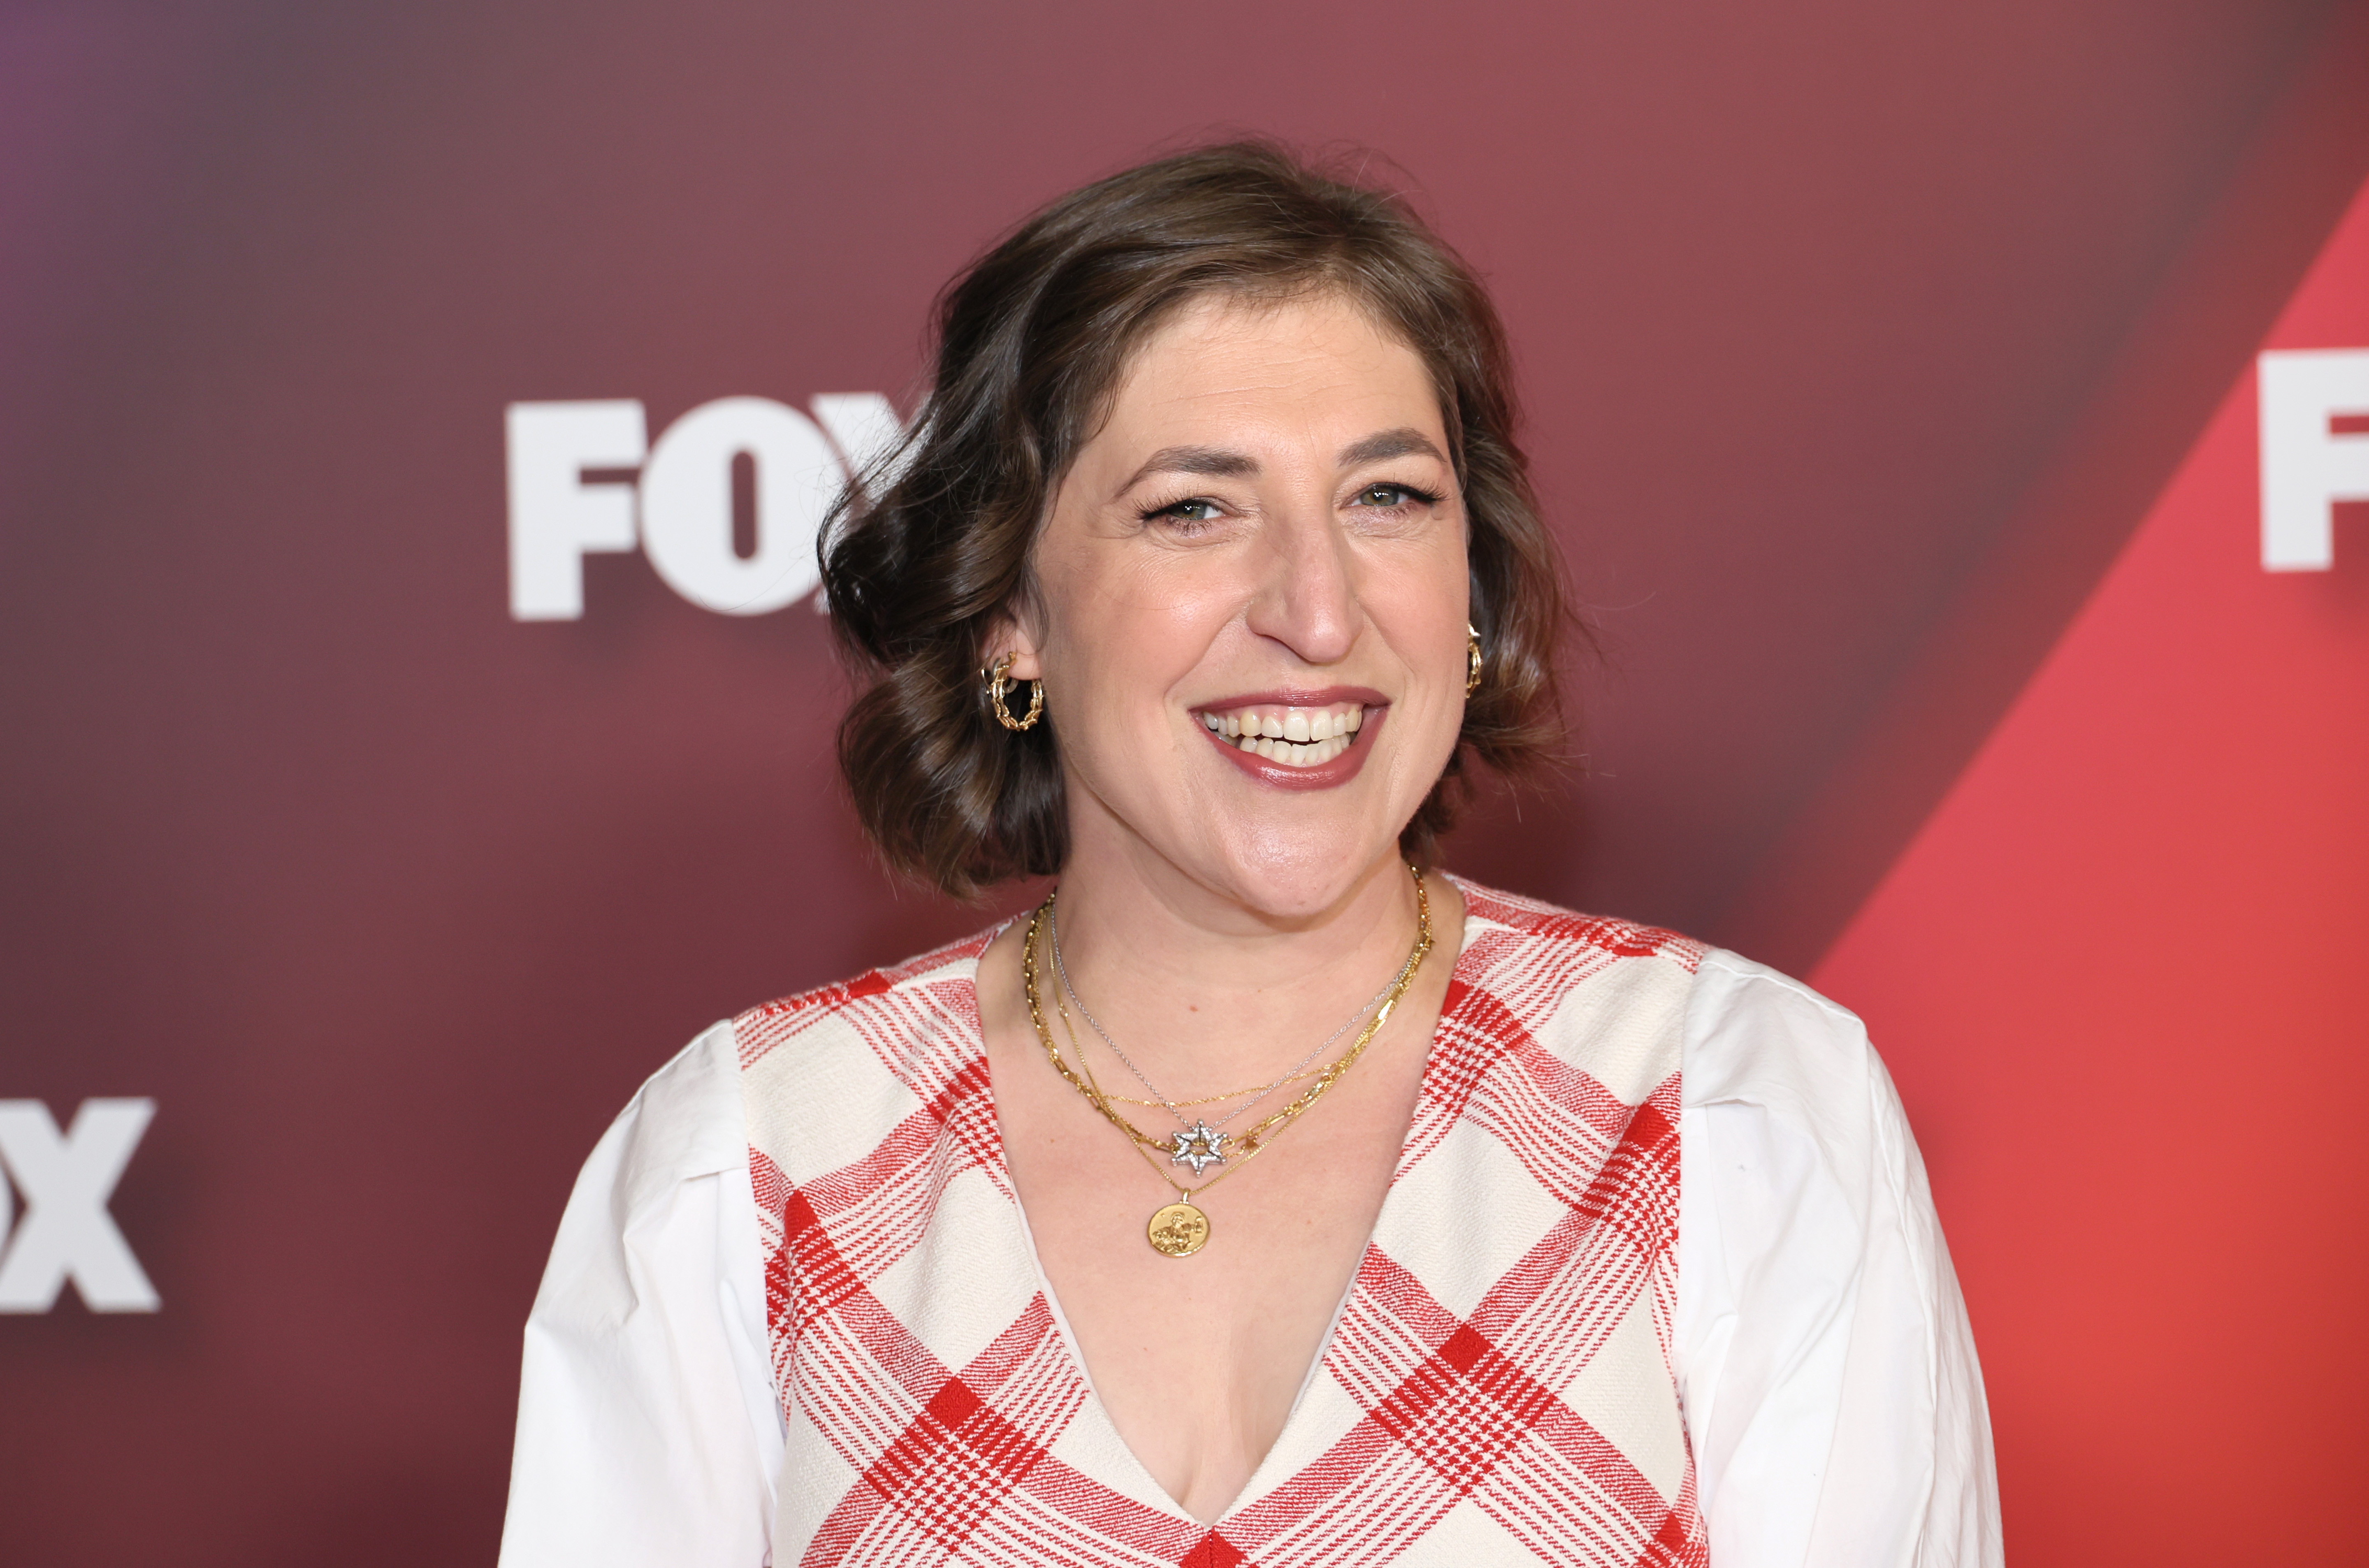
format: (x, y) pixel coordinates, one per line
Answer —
(1200, 1135)
(1179, 1230)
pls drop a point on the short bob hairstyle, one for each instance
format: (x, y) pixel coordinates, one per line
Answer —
(920, 559)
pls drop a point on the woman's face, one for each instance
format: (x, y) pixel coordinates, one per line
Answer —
(1252, 603)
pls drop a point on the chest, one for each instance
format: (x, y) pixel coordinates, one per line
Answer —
(1493, 1390)
(1198, 1360)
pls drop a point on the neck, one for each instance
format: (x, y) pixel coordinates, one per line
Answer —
(1202, 989)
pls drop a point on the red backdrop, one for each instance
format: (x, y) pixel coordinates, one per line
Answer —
(1889, 380)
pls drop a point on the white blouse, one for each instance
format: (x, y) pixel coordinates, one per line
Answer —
(1831, 1395)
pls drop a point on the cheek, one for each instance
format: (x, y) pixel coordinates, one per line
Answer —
(1141, 627)
(1120, 645)
(1425, 611)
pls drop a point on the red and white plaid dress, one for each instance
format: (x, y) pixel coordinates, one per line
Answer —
(1498, 1387)
(793, 1314)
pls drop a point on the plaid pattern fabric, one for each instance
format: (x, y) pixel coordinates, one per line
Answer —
(1493, 1393)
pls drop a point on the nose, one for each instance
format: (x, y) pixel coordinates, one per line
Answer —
(1306, 598)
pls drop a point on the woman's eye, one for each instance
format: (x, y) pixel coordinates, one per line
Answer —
(1195, 510)
(1388, 496)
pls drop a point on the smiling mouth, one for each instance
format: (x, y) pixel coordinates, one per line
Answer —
(1296, 737)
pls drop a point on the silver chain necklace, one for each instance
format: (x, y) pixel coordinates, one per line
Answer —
(1199, 1132)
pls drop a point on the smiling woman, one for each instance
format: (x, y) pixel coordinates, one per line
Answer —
(1214, 264)
(1574, 1241)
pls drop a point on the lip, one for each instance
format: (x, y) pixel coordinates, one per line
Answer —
(1278, 775)
(1297, 697)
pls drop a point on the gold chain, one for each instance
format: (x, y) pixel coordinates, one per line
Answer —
(1052, 1049)
(1184, 1192)
(1070, 1028)
(1261, 1089)
(1256, 1138)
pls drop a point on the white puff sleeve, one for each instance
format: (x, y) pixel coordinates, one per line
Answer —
(1827, 1369)
(647, 1432)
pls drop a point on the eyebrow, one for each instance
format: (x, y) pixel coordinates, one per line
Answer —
(1219, 463)
(1211, 460)
(1402, 443)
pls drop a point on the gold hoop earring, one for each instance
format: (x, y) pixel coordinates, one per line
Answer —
(998, 684)
(1472, 663)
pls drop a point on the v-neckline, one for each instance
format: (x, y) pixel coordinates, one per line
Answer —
(1146, 1486)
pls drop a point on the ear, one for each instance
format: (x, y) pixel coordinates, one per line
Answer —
(1011, 632)
(1020, 631)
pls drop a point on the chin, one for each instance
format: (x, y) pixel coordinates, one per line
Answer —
(1288, 874)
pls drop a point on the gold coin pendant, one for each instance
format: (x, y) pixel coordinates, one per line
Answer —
(1178, 1230)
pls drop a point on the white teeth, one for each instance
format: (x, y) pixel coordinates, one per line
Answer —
(1304, 737)
(1292, 753)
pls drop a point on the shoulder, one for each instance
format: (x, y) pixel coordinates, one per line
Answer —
(1748, 1024)
(859, 1006)
(685, 1121)
(1518, 926)
(1607, 996)
(1533, 956)
(682, 1126)
(1759, 1038)
(1747, 1033)
(825, 1074)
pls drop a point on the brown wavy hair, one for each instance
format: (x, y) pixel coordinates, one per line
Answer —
(922, 557)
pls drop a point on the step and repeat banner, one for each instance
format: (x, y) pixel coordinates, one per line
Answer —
(416, 707)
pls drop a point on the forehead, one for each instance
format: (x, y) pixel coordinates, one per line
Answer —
(1311, 358)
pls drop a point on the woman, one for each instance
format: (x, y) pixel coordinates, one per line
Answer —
(1266, 1194)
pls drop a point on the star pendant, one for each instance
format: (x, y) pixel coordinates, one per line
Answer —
(1197, 1146)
